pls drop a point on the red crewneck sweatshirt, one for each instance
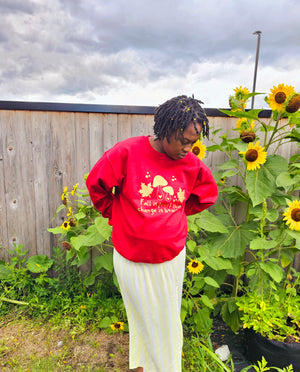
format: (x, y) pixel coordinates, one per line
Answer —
(152, 196)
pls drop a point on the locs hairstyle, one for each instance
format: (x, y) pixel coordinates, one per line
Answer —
(176, 114)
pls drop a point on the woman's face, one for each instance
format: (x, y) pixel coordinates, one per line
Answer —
(179, 146)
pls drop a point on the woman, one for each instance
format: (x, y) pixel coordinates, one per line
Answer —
(147, 186)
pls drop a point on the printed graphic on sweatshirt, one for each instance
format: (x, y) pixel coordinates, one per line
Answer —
(160, 196)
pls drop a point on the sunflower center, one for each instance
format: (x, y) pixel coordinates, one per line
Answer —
(280, 97)
(251, 155)
(117, 325)
(195, 264)
(196, 150)
(296, 214)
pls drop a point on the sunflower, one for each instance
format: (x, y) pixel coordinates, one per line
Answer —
(241, 94)
(199, 149)
(63, 195)
(255, 156)
(278, 97)
(195, 267)
(117, 326)
(66, 225)
(243, 124)
(292, 215)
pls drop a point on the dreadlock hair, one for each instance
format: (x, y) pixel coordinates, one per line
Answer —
(176, 114)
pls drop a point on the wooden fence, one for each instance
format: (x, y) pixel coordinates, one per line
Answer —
(45, 147)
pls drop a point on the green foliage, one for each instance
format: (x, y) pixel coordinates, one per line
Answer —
(274, 314)
(244, 243)
(84, 231)
(262, 366)
(62, 298)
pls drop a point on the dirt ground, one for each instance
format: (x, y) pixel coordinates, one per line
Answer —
(22, 342)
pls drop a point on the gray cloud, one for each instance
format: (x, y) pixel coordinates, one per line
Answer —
(91, 47)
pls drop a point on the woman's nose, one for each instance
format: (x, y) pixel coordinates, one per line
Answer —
(187, 147)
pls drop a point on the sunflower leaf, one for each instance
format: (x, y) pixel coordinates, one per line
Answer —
(276, 165)
(105, 261)
(262, 243)
(259, 186)
(234, 243)
(274, 270)
(253, 114)
(217, 263)
(92, 237)
(285, 180)
(39, 263)
(232, 163)
(210, 281)
(209, 222)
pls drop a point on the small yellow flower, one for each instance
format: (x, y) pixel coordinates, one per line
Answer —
(66, 225)
(118, 326)
(74, 189)
(70, 211)
(63, 195)
(262, 305)
(199, 149)
(195, 267)
(278, 97)
(82, 307)
(292, 215)
(255, 156)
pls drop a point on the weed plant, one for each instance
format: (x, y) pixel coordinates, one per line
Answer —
(59, 296)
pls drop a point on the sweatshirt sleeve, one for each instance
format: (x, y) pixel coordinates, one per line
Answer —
(204, 193)
(100, 183)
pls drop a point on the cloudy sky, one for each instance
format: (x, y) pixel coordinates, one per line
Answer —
(142, 52)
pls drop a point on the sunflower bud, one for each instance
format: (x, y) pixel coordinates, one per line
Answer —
(72, 222)
(66, 245)
(294, 104)
(247, 136)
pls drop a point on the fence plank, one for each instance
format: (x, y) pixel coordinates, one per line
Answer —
(39, 138)
(4, 117)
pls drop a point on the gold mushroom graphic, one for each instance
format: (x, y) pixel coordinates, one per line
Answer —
(162, 187)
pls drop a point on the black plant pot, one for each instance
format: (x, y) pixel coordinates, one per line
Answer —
(277, 354)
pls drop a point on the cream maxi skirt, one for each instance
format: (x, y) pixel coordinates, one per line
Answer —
(152, 297)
